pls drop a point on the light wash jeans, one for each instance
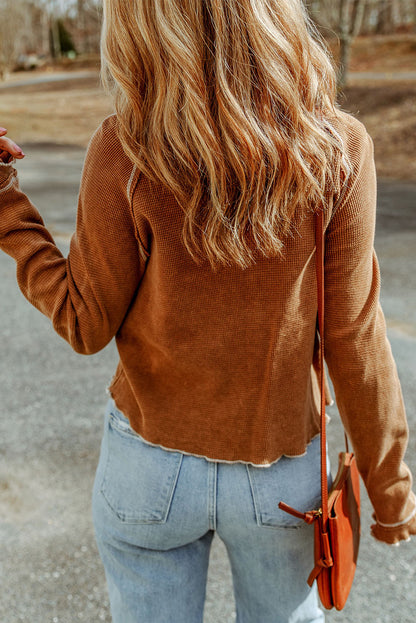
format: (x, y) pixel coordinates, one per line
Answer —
(155, 513)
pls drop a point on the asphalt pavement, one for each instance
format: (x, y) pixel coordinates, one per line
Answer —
(33, 78)
(52, 406)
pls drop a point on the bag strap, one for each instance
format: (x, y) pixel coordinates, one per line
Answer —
(319, 240)
(322, 513)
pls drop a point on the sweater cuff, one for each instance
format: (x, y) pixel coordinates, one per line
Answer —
(399, 523)
(11, 163)
(395, 532)
(7, 174)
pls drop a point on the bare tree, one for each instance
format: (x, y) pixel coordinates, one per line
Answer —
(385, 9)
(12, 25)
(82, 22)
(348, 18)
(350, 21)
(379, 16)
(342, 18)
(88, 23)
(53, 17)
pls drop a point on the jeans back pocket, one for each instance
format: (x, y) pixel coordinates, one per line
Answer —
(296, 481)
(138, 479)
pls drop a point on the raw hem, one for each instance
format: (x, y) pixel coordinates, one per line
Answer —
(211, 460)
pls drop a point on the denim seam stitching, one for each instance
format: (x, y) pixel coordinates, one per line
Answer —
(212, 469)
(173, 488)
(253, 490)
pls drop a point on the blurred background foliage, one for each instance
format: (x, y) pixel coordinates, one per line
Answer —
(40, 32)
(344, 20)
(34, 33)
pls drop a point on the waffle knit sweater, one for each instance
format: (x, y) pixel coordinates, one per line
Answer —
(218, 364)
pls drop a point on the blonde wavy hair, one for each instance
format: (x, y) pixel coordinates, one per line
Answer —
(228, 104)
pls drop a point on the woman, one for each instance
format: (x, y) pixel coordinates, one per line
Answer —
(195, 248)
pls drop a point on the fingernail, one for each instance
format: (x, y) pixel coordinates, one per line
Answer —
(3, 129)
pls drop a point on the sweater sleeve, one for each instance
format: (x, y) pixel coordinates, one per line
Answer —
(87, 294)
(358, 352)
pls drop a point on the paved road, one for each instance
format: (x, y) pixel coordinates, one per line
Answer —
(382, 76)
(44, 78)
(52, 403)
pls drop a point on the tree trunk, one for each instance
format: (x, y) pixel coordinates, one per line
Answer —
(385, 17)
(45, 43)
(368, 26)
(345, 40)
(350, 23)
(56, 43)
(12, 30)
(358, 16)
(82, 25)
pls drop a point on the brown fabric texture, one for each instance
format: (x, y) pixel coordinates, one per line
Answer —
(219, 364)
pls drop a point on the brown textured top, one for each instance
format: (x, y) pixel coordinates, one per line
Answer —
(218, 364)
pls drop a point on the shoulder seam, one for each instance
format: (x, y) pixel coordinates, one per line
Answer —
(130, 193)
(348, 183)
(130, 183)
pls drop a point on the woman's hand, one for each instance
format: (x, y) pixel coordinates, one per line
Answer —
(8, 149)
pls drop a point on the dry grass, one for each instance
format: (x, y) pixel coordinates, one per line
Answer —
(384, 53)
(61, 112)
(388, 111)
